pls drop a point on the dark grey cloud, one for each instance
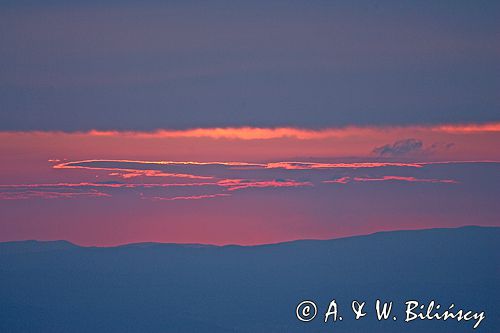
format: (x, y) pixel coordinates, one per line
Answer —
(440, 146)
(400, 148)
(144, 65)
(411, 147)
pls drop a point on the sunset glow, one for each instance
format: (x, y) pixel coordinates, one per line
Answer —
(153, 175)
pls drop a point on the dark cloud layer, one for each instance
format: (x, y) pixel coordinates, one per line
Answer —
(145, 65)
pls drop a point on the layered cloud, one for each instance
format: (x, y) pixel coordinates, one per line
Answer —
(222, 162)
(120, 187)
(259, 146)
(168, 191)
(190, 180)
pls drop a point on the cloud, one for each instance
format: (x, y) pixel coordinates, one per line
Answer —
(345, 180)
(270, 133)
(405, 179)
(217, 178)
(175, 169)
(341, 180)
(439, 146)
(411, 147)
(399, 148)
(468, 128)
(77, 190)
(105, 189)
(192, 197)
(354, 165)
(154, 173)
(105, 184)
(208, 170)
(266, 72)
(238, 184)
(55, 193)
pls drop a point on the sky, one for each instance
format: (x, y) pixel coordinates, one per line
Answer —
(246, 122)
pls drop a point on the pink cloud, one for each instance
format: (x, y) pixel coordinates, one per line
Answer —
(192, 197)
(345, 180)
(355, 165)
(68, 190)
(341, 180)
(238, 184)
(23, 195)
(154, 173)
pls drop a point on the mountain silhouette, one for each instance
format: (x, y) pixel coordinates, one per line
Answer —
(153, 287)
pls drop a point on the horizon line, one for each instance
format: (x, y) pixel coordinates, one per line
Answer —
(187, 244)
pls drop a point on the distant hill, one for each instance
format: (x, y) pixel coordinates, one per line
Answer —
(151, 287)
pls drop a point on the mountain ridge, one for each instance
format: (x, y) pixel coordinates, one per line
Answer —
(65, 243)
(171, 288)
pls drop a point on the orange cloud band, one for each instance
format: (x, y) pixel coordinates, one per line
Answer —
(263, 133)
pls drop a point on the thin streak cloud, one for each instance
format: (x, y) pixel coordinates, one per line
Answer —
(91, 165)
(346, 180)
(23, 195)
(192, 197)
(238, 184)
